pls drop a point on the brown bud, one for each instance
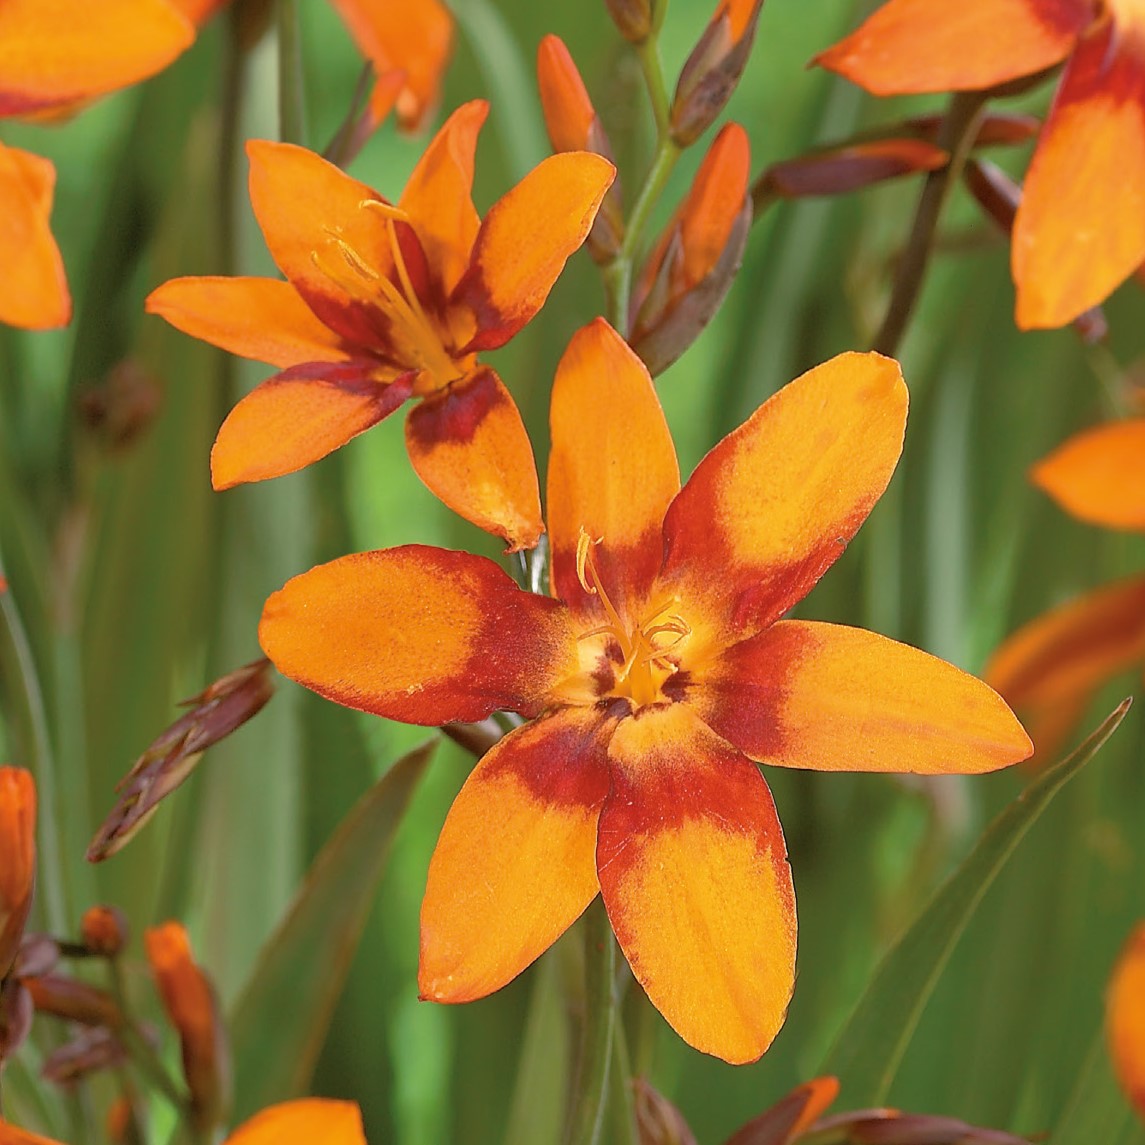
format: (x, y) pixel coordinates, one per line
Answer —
(633, 18)
(216, 712)
(88, 1052)
(104, 930)
(191, 1007)
(17, 858)
(658, 1121)
(711, 72)
(995, 127)
(16, 1012)
(37, 956)
(74, 1001)
(121, 409)
(889, 1127)
(789, 1117)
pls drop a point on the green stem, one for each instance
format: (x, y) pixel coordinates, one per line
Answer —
(959, 128)
(291, 89)
(649, 56)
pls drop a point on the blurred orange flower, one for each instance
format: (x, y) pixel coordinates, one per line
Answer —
(17, 858)
(388, 302)
(1125, 1018)
(1080, 229)
(1051, 668)
(653, 681)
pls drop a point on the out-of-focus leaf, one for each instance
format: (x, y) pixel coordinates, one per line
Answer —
(867, 1053)
(280, 1019)
(1097, 1109)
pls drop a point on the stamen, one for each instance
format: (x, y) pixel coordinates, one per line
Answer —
(387, 210)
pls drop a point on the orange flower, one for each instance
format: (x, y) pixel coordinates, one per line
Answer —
(17, 858)
(190, 1004)
(1080, 229)
(1125, 1018)
(387, 302)
(653, 681)
(310, 1121)
(1052, 667)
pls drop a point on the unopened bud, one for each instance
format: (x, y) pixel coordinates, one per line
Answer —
(123, 1124)
(712, 71)
(893, 1128)
(90, 1051)
(1125, 1018)
(216, 712)
(791, 1116)
(698, 255)
(633, 18)
(573, 125)
(38, 955)
(17, 858)
(994, 128)
(658, 1121)
(192, 1009)
(123, 407)
(74, 1001)
(104, 930)
(16, 1013)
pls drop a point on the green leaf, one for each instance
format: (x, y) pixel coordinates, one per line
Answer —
(867, 1054)
(1097, 1109)
(280, 1019)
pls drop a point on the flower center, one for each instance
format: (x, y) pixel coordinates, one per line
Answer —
(415, 341)
(650, 646)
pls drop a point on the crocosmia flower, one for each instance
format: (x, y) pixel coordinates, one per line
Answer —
(1125, 1018)
(1051, 668)
(653, 682)
(17, 858)
(385, 302)
(1080, 229)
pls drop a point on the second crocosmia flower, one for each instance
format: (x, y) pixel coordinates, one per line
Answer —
(1125, 1018)
(1051, 668)
(386, 302)
(653, 682)
(1080, 229)
(17, 858)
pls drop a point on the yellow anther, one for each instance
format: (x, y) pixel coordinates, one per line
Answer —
(387, 210)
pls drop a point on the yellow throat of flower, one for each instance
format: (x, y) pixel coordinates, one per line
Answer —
(650, 646)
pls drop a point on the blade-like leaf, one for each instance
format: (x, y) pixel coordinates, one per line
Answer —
(870, 1048)
(1097, 1109)
(280, 1019)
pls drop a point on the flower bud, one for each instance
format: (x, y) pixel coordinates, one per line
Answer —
(104, 930)
(123, 1124)
(889, 1127)
(122, 408)
(713, 69)
(573, 125)
(17, 858)
(633, 18)
(1125, 1018)
(658, 1121)
(791, 1116)
(192, 1009)
(74, 1001)
(90, 1051)
(216, 712)
(38, 955)
(698, 255)
(16, 1012)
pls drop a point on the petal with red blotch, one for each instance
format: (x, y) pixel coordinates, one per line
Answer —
(1080, 227)
(54, 52)
(612, 469)
(932, 45)
(515, 864)
(314, 223)
(1099, 475)
(259, 318)
(413, 35)
(470, 447)
(791, 1116)
(311, 1121)
(823, 696)
(1125, 1018)
(1068, 651)
(525, 240)
(420, 635)
(33, 288)
(694, 873)
(299, 416)
(438, 197)
(773, 505)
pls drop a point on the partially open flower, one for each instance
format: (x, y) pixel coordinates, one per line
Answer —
(17, 858)
(1125, 1018)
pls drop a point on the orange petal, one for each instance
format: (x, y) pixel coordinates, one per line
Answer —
(259, 318)
(933, 45)
(772, 506)
(1125, 1018)
(310, 212)
(299, 416)
(823, 696)
(791, 1116)
(612, 469)
(312, 1121)
(1062, 656)
(693, 869)
(33, 288)
(460, 639)
(1080, 227)
(55, 52)
(438, 196)
(569, 114)
(470, 447)
(17, 858)
(10, 1135)
(413, 35)
(515, 864)
(525, 240)
(1099, 475)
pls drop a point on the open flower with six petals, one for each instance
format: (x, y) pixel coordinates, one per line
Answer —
(384, 302)
(1080, 228)
(653, 681)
